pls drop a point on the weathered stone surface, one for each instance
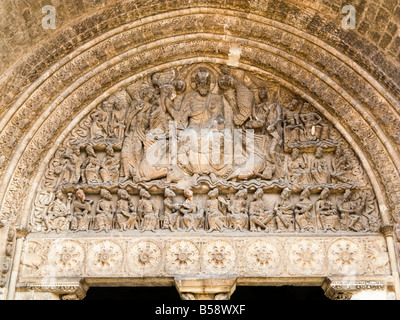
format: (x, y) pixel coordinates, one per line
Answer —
(72, 167)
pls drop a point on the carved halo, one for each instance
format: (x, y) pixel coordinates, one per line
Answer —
(213, 77)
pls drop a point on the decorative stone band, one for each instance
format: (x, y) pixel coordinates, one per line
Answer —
(144, 256)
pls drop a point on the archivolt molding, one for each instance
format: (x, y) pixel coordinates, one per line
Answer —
(283, 64)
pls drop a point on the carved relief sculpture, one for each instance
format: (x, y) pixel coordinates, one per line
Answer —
(351, 210)
(126, 217)
(326, 212)
(303, 211)
(109, 170)
(91, 167)
(58, 216)
(238, 208)
(217, 136)
(193, 215)
(171, 212)
(261, 217)
(81, 212)
(148, 212)
(103, 220)
(216, 212)
(284, 210)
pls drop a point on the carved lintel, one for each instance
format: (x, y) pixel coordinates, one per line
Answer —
(205, 288)
(68, 290)
(343, 289)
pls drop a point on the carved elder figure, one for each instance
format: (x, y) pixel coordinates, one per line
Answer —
(239, 217)
(303, 212)
(171, 211)
(82, 209)
(297, 168)
(57, 215)
(91, 167)
(284, 211)
(351, 212)
(71, 172)
(125, 216)
(340, 166)
(326, 212)
(109, 170)
(148, 212)
(117, 121)
(261, 217)
(314, 126)
(320, 173)
(214, 211)
(100, 119)
(104, 212)
(293, 127)
(193, 215)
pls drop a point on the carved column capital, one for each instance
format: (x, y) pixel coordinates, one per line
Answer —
(343, 289)
(205, 289)
(71, 290)
(22, 233)
(387, 229)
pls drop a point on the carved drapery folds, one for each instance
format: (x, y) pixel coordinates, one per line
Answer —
(205, 148)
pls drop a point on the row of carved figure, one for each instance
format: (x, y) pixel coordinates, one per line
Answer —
(218, 214)
(300, 169)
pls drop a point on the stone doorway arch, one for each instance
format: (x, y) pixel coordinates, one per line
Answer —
(63, 93)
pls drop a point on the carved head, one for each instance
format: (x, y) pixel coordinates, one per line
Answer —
(225, 81)
(347, 194)
(80, 195)
(169, 193)
(305, 194)
(90, 151)
(106, 105)
(105, 194)
(203, 82)
(110, 151)
(259, 193)
(147, 94)
(295, 153)
(325, 193)
(188, 194)
(213, 193)
(144, 194)
(339, 151)
(286, 193)
(241, 193)
(123, 194)
(319, 152)
(180, 85)
(59, 195)
(263, 94)
(292, 106)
